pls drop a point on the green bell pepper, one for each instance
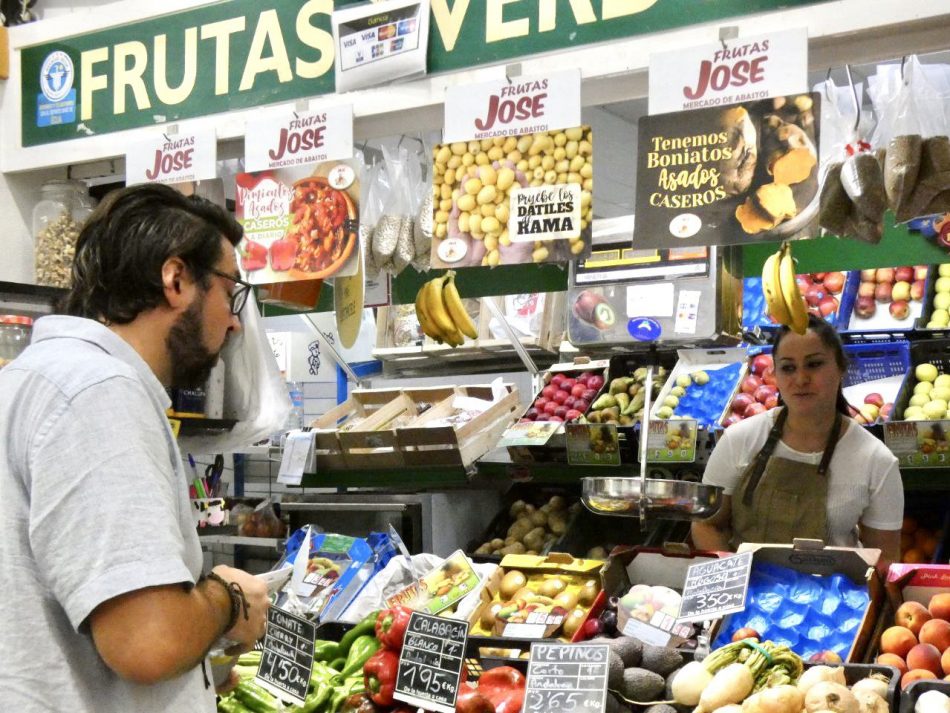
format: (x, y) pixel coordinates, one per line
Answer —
(364, 647)
(366, 626)
(325, 650)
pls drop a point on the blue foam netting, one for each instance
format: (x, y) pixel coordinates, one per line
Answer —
(706, 402)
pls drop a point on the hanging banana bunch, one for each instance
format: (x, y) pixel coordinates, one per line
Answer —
(441, 313)
(783, 299)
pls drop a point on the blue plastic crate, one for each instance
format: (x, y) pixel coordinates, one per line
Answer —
(867, 362)
(753, 305)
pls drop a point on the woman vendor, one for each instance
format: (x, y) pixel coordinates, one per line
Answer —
(805, 469)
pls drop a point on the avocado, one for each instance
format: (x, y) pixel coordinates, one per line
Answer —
(614, 671)
(660, 708)
(614, 705)
(630, 649)
(660, 659)
(641, 685)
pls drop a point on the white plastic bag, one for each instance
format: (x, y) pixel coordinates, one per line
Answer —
(254, 392)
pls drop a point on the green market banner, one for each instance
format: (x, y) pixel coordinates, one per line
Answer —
(256, 52)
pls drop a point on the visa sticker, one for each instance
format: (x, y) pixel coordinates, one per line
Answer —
(644, 329)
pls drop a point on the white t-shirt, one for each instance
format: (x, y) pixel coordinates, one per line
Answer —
(93, 504)
(864, 480)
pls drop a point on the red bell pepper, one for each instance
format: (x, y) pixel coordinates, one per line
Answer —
(391, 625)
(253, 256)
(504, 687)
(283, 252)
(379, 676)
(470, 700)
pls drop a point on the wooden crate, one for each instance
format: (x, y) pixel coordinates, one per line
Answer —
(372, 442)
(361, 404)
(424, 445)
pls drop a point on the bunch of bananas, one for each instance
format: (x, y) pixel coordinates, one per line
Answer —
(441, 313)
(783, 299)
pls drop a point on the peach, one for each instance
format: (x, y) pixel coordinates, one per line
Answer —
(917, 674)
(925, 656)
(893, 660)
(939, 606)
(912, 615)
(945, 662)
(898, 640)
(937, 633)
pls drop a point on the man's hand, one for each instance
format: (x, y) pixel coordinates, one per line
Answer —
(250, 630)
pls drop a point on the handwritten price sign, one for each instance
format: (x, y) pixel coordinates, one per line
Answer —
(430, 664)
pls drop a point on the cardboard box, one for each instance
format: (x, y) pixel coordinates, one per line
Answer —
(916, 582)
(656, 566)
(556, 563)
(813, 557)
(460, 445)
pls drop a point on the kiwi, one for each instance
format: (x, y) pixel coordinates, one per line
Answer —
(511, 583)
(566, 599)
(552, 587)
(604, 316)
(588, 593)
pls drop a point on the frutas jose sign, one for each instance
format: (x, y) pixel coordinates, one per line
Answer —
(239, 54)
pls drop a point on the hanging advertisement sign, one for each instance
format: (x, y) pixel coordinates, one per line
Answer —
(518, 106)
(379, 43)
(257, 52)
(298, 138)
(172, 158)
(300, 223)
(524, 198)
(729, 72)
(733, 175)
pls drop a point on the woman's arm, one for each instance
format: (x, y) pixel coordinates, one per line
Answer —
(715, 532)
(887, 541)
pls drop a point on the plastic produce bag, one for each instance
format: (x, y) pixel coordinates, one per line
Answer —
(423, 208)
(370, 208)
(254, 392)
(394, 232)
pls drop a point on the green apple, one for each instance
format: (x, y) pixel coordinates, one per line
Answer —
(677, 391)
(664, 412)
(913, 413)
(940, 317)
(942, 381)
(935, 409)
(920, 399)
(942, 284)
(700, 377)
(926, 372)
(940, 392)
(942, 300)
(924, 387)
(683, 381)
(944, 270)
(671, 401)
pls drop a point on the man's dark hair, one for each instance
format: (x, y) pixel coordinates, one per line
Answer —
(117, 272)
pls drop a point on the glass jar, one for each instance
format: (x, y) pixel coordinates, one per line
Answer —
(57, 218)
(15, 332)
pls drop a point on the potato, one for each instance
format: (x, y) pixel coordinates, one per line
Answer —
(539, 519)
(534, 540)
(515, 549)
(497, 543)
(521, 527)
(517, 507)
(557, 523)
(485, 549)
(557, 502)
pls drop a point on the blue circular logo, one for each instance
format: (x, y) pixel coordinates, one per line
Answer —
(644, 329)
(56, 76)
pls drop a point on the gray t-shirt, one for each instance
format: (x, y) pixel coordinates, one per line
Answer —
(93, 504)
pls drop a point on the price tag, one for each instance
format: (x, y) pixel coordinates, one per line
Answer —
(567, 677)
(672, 441)
(918, 444)
(430, 664)
(592, 444)
(298, 456)
(287, 660)
(716, 588)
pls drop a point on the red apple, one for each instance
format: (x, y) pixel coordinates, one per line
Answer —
(834, 282)
(912, 615)
(866, 289)
(868, 275)
(582, 405)
(917, 290)
(567, 384)
(899, 309)
(828, 305)
(882, 293)
(865, 307)
(884, 274)
(814, 294)
(750, 383)
(595, 381)
(885, 412)
(920, 273)
(760, 363)
(905, 273)
(741, 402)
(754, 409)
(768, 376)
(542, 417)
(560, 397)
(804, 282)
(557, 379)
(763, 393)
(746, 632)
(531, 414)
(561, 411)
(540, 403)
(771, 402)
(589, 394)
(731, 419)
(582, 377)
(569, 402)
(577, 391)
(551, 406)
(556, 419)
(573, 414)
(549, 390)
(878, 401)
(818, 276)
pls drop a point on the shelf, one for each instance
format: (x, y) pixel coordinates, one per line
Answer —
(275, 543)
(32, 300)
(195, 426)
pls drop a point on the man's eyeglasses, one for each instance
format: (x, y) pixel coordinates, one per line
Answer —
(240, 292)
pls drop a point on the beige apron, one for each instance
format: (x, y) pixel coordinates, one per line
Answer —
(779, 499)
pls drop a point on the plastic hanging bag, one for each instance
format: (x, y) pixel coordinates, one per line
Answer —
(397, 218)
(370, 208)
(424, 201)
(255, 393)
(913, 126)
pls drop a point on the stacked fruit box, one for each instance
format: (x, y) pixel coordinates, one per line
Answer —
(886, 299)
